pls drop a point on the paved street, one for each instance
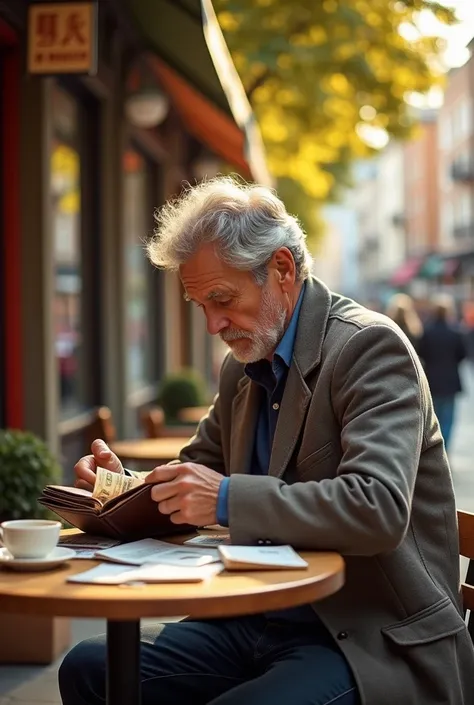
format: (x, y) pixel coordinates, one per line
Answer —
(26, 685)
(462, 456)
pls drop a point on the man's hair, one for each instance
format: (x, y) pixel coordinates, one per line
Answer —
(444, 308)
(246, 223)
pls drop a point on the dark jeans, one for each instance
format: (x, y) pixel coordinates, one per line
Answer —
(444, 409)
(244, 661)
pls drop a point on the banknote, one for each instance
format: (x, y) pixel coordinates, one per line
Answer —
(110, 484)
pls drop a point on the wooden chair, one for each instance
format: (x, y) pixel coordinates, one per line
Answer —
(102, 426)
(154, 426)
(152, 421)
(466, 549)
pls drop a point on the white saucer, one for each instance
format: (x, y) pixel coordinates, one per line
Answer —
(55, 558)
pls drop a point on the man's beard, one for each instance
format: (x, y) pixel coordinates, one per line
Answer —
(251, 347)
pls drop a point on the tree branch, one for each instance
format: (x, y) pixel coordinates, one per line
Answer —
(259, 81)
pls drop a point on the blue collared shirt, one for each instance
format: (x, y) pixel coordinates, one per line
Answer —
(271, 376)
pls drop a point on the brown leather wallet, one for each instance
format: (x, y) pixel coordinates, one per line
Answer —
(130, 516)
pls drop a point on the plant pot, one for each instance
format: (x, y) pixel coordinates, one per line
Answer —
(32, 639)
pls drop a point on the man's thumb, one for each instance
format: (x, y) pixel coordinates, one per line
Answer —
(104, 457)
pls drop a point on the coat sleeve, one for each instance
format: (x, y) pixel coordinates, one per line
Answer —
(365, 509)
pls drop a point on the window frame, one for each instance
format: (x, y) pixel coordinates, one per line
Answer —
(90, 375)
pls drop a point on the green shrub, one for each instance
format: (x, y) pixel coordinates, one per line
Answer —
(180, 390)
(26, 466)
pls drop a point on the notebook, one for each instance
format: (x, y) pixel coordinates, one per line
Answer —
(260, 558)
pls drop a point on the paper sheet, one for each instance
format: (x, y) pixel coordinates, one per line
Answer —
(155, 551)
(113, 574)
(208, 541)
(87, 541)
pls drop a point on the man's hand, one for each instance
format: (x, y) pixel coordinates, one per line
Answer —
(187, 492)
(86, 468)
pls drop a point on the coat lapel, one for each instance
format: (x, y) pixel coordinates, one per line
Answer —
(290, 421)
(245, 407)
(307, 353)
(306, 357)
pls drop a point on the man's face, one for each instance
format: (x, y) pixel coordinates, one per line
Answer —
(250, 319)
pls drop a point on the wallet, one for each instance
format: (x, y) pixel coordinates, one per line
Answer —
(129, 516)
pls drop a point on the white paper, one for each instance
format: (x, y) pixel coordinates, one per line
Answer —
(87, 541)
(155, 551)
(265, 556)
(85, 553)
(113, 574)
(209, 541)
(187, 557)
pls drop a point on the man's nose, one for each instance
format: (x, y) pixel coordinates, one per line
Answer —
(216, 322)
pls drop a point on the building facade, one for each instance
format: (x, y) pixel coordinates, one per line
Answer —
(456, 179)
(379, 198)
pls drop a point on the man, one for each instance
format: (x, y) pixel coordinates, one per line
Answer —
(322, 436)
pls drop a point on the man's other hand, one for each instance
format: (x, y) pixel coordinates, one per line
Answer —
(86, 468)
(187, 492)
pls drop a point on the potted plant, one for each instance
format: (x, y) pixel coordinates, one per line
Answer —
(26, 466)
(180, 390)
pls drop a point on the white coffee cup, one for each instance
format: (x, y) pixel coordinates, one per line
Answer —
(30, 538)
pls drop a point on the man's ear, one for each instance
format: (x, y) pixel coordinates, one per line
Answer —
(285, 268)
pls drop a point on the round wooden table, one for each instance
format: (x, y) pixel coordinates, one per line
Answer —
(227, 594)
(192, 414)
(150, 450)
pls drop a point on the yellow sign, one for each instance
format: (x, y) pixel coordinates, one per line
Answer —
(62, 38)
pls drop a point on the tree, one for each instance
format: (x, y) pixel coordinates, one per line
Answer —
(319, 74)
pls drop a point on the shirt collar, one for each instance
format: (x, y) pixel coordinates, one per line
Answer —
(284, 351)
(287, 343)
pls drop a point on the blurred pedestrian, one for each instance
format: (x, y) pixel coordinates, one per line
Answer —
(401, 309)
(468, 325)
(442, 349)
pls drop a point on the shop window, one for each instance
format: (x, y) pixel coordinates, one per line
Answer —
(137, 213)
(66, 223)
(73, 194)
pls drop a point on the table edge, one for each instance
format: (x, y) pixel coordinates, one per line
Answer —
(273, 597)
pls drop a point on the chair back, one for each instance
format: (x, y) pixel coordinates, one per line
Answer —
(154, 425)
(152, 421)
(466, 549)
(102, 426)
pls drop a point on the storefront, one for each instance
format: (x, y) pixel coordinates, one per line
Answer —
(10, 334)
(85, 320)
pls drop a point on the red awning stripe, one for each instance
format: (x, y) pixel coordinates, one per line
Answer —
(406, 272)
(450, 267)
(204, 120)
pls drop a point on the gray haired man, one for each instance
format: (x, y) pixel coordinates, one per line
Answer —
(322, 436)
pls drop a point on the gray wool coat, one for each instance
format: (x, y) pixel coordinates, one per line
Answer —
(358, 466)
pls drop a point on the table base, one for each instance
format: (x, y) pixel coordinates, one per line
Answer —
(123, 662)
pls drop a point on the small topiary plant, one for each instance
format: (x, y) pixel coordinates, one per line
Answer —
(26, 467)
(180, 390)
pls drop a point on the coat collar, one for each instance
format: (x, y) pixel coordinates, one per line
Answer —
(312, 324)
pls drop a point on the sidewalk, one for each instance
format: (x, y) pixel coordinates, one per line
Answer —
(462, 460)
(38, 685)
(29, 685)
